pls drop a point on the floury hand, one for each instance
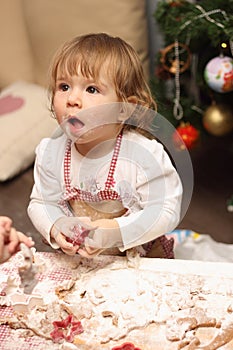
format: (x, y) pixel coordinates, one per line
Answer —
(73, 228)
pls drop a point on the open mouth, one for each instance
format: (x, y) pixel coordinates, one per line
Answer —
(76, 123)
(73, 127)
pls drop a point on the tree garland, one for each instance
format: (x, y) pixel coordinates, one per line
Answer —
(173, 16)
(200, 25)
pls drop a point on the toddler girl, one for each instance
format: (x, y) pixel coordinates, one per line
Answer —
(102, 178)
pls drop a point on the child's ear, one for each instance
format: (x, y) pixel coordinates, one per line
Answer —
(127, 108)
(132, 99)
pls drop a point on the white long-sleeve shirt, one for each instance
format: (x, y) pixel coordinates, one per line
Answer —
(145, 178)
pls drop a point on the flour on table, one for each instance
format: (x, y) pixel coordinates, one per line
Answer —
(152, 303)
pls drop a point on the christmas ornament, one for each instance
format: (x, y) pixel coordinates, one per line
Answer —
(174, 3)
(218, 120)
(171, 62)
(162, 73)
(185, 135)
(218, 74)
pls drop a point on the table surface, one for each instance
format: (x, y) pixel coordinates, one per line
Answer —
(58, 271)
(56, 274)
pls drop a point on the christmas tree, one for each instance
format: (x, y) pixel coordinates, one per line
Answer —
(193, 81)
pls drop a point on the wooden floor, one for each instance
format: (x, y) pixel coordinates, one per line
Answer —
(213, 186)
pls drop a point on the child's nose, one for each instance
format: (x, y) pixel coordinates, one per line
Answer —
(74, 99)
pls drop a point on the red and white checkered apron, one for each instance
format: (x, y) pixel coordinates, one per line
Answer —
(164, 246)
(85, 196)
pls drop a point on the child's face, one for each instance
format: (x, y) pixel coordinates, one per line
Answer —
(74, 94)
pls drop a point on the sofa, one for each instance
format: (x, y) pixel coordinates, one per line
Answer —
(31, 31)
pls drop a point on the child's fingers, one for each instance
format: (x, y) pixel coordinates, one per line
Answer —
(13, 241)
(85, 254)
(4, 251)
(25, 239)
(65, 246)
(62, 242)
(5, 222)
(1, 246)
(71, 251)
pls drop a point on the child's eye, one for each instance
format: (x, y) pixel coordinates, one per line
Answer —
(63, 87)
(92, 90)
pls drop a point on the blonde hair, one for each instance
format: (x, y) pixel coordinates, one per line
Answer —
(90, 52)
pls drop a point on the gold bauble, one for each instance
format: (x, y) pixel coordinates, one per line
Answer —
(218, 120)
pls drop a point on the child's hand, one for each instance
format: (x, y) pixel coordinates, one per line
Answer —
(106, 235)
(10, 239)
(5, 224)
(70, 232)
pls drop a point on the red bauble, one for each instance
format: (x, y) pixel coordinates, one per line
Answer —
(175, 3)
(185, 135)
(162, 73)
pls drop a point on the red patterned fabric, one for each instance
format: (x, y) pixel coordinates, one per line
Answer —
(86, 196)
(163, 247)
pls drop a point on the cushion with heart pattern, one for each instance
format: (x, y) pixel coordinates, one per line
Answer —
(24, 120)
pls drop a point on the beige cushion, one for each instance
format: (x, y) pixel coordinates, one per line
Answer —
(24, 120)
(15, 58)
(52, 22)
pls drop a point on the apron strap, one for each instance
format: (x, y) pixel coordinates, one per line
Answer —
(67, 163)
(110, 179)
